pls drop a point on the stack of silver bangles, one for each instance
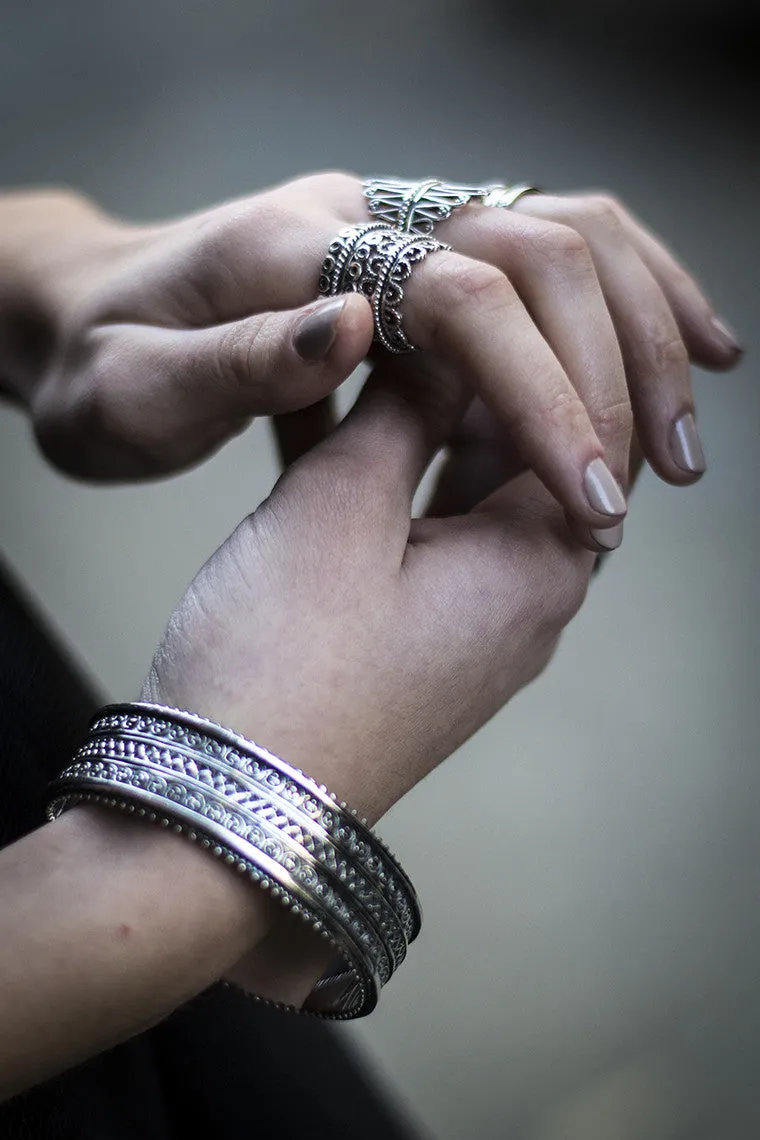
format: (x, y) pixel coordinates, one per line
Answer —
(268, 821)
(377, 258)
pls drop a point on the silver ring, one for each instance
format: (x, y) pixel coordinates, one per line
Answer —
(504, 197)
(417, 207)
(377, 260)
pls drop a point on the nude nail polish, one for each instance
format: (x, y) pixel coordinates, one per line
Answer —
(728, 338)
(611, 538)
(686, 446)
(603, 490)
(316, 333)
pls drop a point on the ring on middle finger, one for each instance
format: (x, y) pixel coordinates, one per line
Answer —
(417, 207)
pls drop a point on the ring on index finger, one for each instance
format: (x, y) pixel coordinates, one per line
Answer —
(377, 260)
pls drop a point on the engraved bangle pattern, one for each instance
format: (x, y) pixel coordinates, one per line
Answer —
(259, 817)
(192, 733)
(269, 820)
(376, 261)
(417, 207)
(355, 906)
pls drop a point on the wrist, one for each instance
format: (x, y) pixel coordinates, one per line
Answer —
(272, 726)
(50, 243)
(269, 823)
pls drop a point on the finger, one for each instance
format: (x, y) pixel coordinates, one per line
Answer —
(469, 314)
(380, 451)
(565, 299)
(297, 432)
(710, 341)
(275, 362)
(480, 458)
(655, 356)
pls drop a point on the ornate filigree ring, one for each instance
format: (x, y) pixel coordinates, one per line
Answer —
(377, 260)
(417, 207)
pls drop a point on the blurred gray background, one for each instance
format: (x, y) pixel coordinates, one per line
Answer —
(589, 863)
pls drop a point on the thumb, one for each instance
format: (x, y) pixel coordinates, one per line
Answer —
(263, 364)
(406, 411)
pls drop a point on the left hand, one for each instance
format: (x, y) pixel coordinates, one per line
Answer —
(564, 315)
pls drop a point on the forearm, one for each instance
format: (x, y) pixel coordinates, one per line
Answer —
(108, 924)
(47, 240)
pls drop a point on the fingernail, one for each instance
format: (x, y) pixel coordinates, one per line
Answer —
(603, 490)
(611, 538)
(729, 339)
(686, 446)
(315, 335)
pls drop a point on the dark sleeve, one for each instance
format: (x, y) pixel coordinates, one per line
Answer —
(222, 1065)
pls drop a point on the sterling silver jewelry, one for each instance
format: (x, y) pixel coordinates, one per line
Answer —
(377, 260)
(265, 819)
(504, 197)
(417, 207)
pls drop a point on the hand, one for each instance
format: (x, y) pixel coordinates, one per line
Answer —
(134, 350)
(165, 343)
(357, 644)
(360, 646)
(621, 319)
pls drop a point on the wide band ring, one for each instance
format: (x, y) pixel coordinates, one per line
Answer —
(417, 207)
(376, 260)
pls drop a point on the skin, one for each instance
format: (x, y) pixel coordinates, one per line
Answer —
(413, 633)
(138, 351)
(570, 321)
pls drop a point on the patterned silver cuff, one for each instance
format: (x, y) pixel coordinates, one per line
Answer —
(268, 821)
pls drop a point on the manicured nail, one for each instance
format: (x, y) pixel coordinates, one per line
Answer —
(603, 490)
(686, 446)
(729, 339)
(611, 538)
(315, 335)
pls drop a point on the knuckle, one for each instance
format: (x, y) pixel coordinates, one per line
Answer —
(564, 246)
(216, 237)
(330, 183)
(601, 205)
(602, 209)
(453, 281)
(559, 411)
(615, 420)
(473, 282)
(247, 356)
(670, 354)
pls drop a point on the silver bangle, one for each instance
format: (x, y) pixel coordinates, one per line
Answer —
(417, 207)
(266, 819)
(376, 261)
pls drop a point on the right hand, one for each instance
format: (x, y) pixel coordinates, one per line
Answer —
(362, 646)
